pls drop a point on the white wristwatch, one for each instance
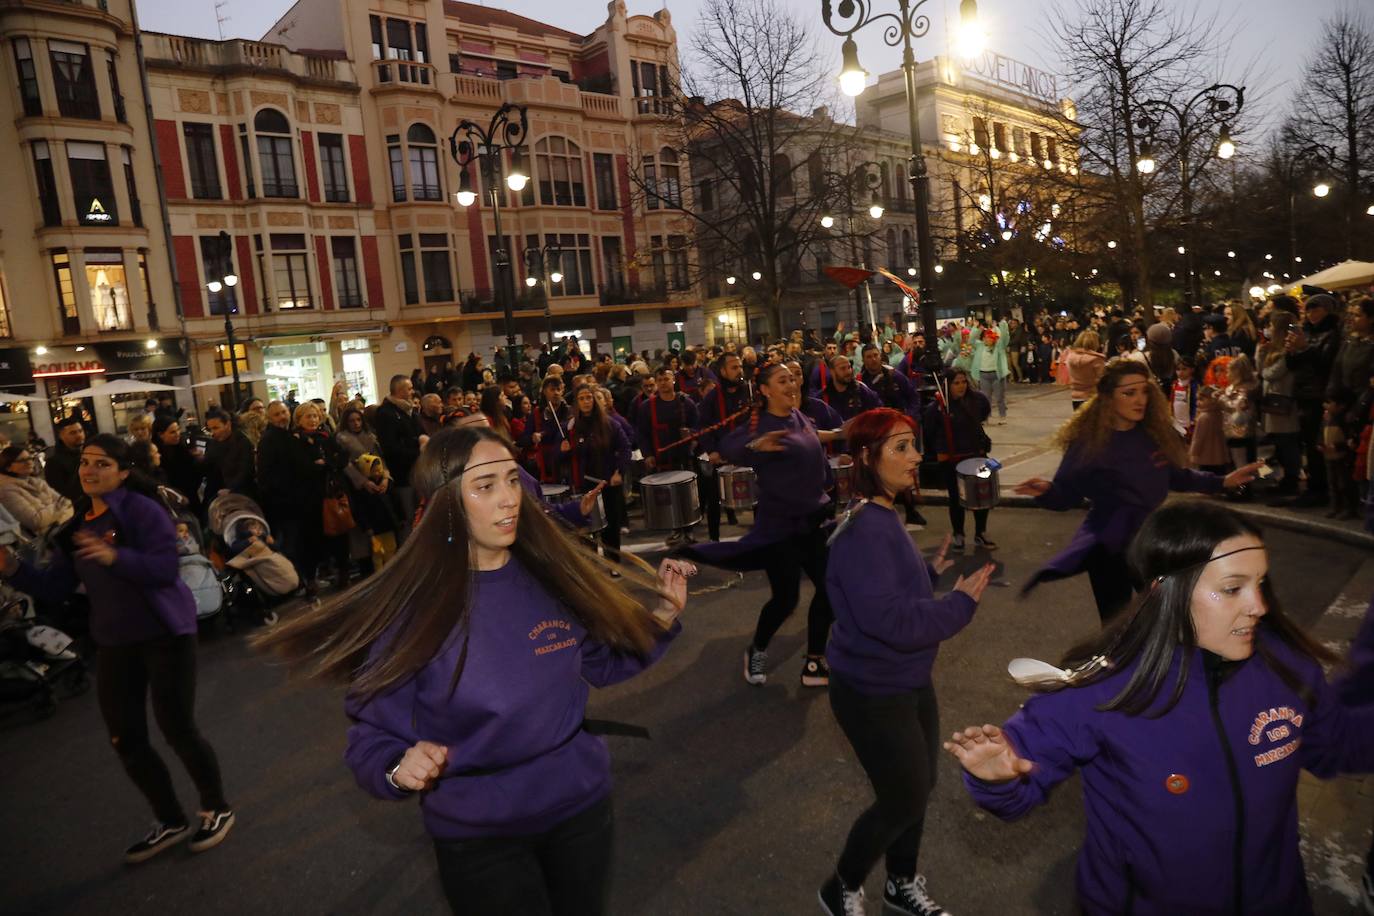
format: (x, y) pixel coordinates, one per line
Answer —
(391, 776)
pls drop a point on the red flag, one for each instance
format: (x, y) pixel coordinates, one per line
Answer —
(906, 290)
(848, 276)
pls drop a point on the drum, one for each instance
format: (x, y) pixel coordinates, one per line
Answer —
(596, 519)
(978, 484)
(634, 473)
(670, 500)
(842, 466)
(739, 488)
(556, 493)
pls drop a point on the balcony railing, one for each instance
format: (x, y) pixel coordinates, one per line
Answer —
(601, 106)
(404, 73)
(627, 295)
(477, 88)
(241, 54)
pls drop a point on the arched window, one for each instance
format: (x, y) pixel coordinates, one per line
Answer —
(671, 177)
(559, 163)
(782, 175)
(815, 173)
(424, 163)
(275, 159)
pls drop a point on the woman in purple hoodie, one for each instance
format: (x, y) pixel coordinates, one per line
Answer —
(470, 656)
(1190, 718)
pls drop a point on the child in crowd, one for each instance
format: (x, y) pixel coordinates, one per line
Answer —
(1208, 449)
(186, 540)
(248, 531)
(1183, 398)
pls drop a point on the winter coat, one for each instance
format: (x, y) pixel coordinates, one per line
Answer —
(1208, 447)
(1278, 380)
(34, 504)
(1239, 409)
(1312, 365)
(1085, 369)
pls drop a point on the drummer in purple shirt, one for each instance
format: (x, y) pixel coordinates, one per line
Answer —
(1190, 720)
(1121, 453)
(470, 657)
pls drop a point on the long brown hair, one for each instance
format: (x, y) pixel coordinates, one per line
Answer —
(424, 595)
(595, 426)
(1091, 426)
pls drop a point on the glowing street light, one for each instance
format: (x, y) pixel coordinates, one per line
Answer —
(1321, 189)
(1112, 243)
(827, 221)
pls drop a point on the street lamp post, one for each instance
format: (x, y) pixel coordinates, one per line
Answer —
(864, 177)
(471, 142)
(1218, 100)
(907, 24)
(538, 259)
(217, 285)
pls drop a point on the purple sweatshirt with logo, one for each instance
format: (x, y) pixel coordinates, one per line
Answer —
(1194, 811)
(888, 622)
(517, 712)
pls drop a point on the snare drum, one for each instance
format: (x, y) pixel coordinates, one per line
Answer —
(556, 493)
(670, 500)
(739, 488)
(842, 466)
(978, 484)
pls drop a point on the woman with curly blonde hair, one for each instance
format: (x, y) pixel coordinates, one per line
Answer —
(1121, 453)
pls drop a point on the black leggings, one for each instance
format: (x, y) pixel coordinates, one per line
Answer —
(787, 560)
(564, 871)
(956, 505)
(1111, 582)
(166, 669)
(897, 741)
(613, 499)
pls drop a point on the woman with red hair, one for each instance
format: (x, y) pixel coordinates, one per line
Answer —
(888, 628)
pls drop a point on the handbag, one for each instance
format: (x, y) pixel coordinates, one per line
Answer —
(338, 515)
(1277, 404)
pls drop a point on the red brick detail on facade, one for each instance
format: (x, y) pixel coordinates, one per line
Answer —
(477, 242)
(627, 217)
(326, 279)
(597, 64)
(169, 149)
(188, 274)
(232, 178)
(312, 171)
(248, 287)
(362, 181)
(372, 266)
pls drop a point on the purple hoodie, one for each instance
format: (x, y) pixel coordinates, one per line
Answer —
(517, 711)
(888, 622)
(1194, 811)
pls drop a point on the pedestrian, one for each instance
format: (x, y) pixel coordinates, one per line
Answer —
(469, 658)
(62, 460)
(1278, 407)
(1183, 398)
(888, 629)
(1240, 408)
(229, 462)
(121, 547)
(1160, 355)
(989, 362)
(1190, 722)
(1310, 353)
(1338, 454)
(954, 432)
(317, 472)
(35, 505)
(1085, 367)
(398, 432)
(183, 472)
(1207, 451)
(1122, 454)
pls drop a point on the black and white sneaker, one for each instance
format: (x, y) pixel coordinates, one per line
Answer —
(755, 665)
(815, 672)
(214, 827)
(158, 839)
(908, 897)
(838, 900)
(956, 542)
(983, 542)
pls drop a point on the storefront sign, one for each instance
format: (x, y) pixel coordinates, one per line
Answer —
(95, 214)
(59, 361)
(1013, 74)
(15, 368)
(130, 357)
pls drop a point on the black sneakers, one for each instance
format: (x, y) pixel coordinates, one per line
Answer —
(983, 542)
(159, 838)
(214, 827)
(838, 900)
(815, 672)
(755, 665)
(908, 897)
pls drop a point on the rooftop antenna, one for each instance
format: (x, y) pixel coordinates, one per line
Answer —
(220, 17)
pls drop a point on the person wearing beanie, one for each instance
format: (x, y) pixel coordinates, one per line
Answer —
(1310, 354)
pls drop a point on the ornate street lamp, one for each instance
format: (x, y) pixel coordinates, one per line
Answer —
(472, 142)
(848, 188)
(216, 285)
(538, 262)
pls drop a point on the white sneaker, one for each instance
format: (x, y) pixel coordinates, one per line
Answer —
(755, 665)
(908, 897)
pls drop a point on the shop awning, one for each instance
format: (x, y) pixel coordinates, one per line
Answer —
(120, 386)
(372, 330)
(9, 398)
(229, 379)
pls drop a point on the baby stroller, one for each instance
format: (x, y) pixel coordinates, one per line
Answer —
(37, 662)
(257, 578)
(198, 572)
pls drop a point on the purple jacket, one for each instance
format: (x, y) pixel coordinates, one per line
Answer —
(1194, 811)
(888, 622)
(519, 761)
(570, 511)
(1126, 482)
(599, 463)
(853, 401)
(821, 414)
(145, 559)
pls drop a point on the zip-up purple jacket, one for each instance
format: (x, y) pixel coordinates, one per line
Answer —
(1194, 811)
(517, 712)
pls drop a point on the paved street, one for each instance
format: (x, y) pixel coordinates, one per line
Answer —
(738, 804)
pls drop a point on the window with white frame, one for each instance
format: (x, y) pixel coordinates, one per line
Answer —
(290, 272)
(559, 163)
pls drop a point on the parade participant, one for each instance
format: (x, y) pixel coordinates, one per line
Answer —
(818, 373)
(601, 451)
(1190, 720)
(1120, 452)
(954, 431)
(607, 402)
(732, 395)
(691, 376)
(665, 418)
(888, 628)
(822, 415)
(892, 388)
(788, 536)
(989, 362)
(121, 546)
(470, 657)
(849, 396)
(546, 432)
(496, 407)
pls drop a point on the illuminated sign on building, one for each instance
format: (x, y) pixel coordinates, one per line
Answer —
(996, 68)
(96, 213)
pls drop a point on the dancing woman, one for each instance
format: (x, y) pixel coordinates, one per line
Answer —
(470, 656)
(788, 537)
(600, 450)
(1190, 718)
(888, 628)
(1120, 452)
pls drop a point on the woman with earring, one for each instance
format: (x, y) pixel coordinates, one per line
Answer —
(469, 658)
(1190, 719)
(888, 629)
(1122, 453)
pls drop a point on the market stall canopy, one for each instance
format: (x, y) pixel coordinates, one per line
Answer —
(121, 386)
(229, 379)
(1341, 276)
(7, 397)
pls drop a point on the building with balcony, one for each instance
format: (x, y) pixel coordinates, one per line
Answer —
(86, 292)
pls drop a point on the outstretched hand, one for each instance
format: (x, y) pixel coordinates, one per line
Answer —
(1242, 475)
(770, 442)
(588, 502)
(940, 563)
(974, 584)
(1036, 486)
(987, 754)
(672, 584)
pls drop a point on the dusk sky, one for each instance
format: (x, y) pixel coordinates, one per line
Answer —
(1268, 39)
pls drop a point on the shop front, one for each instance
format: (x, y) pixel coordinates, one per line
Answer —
(65, 371)
(16, 377)
(310, 367)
